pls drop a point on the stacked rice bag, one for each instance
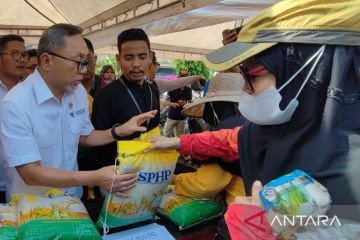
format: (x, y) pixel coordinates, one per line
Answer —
(186, 212)
(8, 222)
(53, 217)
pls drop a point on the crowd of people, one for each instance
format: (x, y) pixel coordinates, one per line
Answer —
(283, 106)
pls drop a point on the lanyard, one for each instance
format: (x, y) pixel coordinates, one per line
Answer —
(134, 100)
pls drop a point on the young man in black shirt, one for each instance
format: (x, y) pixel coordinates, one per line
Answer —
(130, 95)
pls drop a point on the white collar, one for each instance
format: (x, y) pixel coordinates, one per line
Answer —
(2, 85)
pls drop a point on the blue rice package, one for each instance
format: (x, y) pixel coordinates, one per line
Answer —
(293, 197)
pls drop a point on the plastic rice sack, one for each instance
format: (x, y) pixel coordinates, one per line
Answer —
(154, 172)
(291, 197)
(8, 222)
(54, 217)
(186, 212)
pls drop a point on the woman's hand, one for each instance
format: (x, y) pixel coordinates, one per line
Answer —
(254, 199)
(161, 142)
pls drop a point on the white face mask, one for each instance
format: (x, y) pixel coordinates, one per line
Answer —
(263, 109)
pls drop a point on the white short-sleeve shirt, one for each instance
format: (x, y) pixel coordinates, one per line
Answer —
(3, 91)
(35, 126)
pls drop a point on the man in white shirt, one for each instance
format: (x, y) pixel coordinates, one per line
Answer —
(13, 59)
(44, 118)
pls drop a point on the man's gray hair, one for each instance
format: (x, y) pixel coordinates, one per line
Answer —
(52, 38)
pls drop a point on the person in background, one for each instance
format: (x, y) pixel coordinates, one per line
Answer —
(13, 59)
(176, 99)
(151, 76)
(45, 118)
(90, 77)
(169, 85)
(154, 67)
(107, 75)
(87, 157)
(32, 62)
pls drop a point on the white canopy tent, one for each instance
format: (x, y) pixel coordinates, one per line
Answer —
(183, 29)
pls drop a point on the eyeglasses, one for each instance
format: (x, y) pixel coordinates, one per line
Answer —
(17, 55)
(249, 75)
(80, 64)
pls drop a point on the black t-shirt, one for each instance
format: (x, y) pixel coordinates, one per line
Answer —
(113, 104)
(96, 86)
(183, 93)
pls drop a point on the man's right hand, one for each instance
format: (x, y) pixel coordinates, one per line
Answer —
(122, 182)
(134, 124)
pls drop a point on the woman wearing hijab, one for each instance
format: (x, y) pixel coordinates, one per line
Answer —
(301, 100)
(304, 126)
(309, 133)
(107, 75)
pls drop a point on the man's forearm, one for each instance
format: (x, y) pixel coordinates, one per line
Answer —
(102, 137)
(34, 174)
(97, 138)
(169, 85)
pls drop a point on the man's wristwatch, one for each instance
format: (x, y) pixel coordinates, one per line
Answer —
(113, 132)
